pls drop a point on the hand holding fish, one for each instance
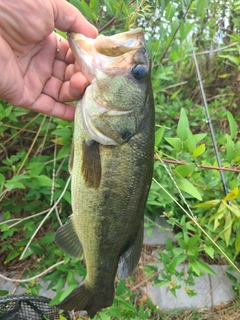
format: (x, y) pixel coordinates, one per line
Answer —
(37, 68)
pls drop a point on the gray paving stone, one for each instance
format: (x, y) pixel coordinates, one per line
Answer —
(211, 291)
(159, 234)
(221, 285)
(15, 288)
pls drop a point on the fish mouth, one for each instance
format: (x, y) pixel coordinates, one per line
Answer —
(105, 53)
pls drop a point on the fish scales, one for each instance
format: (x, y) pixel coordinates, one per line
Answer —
(112, 166)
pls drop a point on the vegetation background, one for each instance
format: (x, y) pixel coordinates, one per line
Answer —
(200, 201)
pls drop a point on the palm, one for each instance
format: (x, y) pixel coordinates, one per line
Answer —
(37, 66)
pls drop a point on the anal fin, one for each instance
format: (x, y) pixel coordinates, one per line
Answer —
(129, 259)
(67, 240)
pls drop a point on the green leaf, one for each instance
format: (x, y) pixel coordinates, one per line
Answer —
(76, 4)
(184, 170)
(176, 143)
(230, 148)
(94, 5)
(115, 312)
(205, 267)
(127, 306)
(233, 194)
(2, 181)
(63, 132)
(67, 197)
(177, 251)
(218, 215)
(232, 124)
(195, 267)
(227, 228)
(35, 168)
(210, 251)
(13, 184)
(232, 208)
(233, 59)
(187, 186)
(192, 241)
(190, 141)
(182, 126)
(169, 244)
(42, 181)
(108, 6)
(208, 204)
(55, 300)
(103, 316)
(170, 10)
(159, 135)
(199, 137)
(201, 4)
(176, 261)
(86, 10)
(67, 291)
(237, 244)
(3, 293)
(200, 150)
(120, 288)
(12, 255)
(6, 216)
(64, 151)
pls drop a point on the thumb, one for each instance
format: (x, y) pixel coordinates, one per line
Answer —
(68, 18)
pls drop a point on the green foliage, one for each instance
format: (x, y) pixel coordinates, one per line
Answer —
(34, 152)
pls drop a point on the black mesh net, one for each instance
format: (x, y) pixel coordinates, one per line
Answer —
(28, 307)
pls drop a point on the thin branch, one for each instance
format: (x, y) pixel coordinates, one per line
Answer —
(146, 280)
(32, 145)
(201, 166)
(174, 35)
(33, 278)
(209, 121)
(110, 22)
(19, 220)
(21, 129)
(216, 50)
(45, 218)
(165, 60)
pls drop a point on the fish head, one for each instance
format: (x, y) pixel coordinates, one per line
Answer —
(119, 71)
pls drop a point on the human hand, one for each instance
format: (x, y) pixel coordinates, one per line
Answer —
(36, 65)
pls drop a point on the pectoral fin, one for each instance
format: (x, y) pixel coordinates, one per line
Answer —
(91, 164)
(67, 240)
(129, 259)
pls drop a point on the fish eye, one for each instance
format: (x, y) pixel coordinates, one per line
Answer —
(139, 72)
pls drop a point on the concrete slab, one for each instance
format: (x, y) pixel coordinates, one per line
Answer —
(160, 231)
(211, 291)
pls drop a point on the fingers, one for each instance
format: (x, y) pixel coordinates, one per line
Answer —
(47, 105)
(68, 18)
(73, 89)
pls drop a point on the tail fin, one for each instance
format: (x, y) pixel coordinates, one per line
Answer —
(82, 298)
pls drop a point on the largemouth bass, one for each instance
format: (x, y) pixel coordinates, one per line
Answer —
(112, 165)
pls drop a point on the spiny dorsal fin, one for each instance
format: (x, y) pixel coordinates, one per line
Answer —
(91, 164)
(67, 240)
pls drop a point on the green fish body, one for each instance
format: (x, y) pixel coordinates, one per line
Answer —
(112, 165)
